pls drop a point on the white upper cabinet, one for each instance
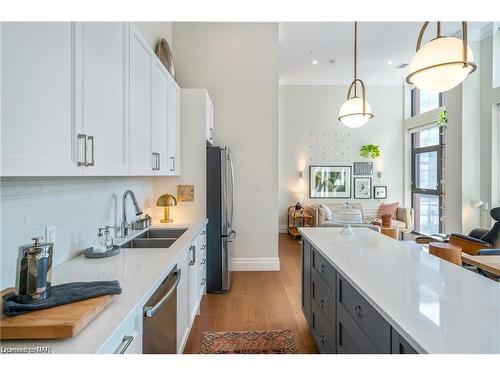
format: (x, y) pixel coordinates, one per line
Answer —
(159, 117)
(210, 120)
(104, 92)
(141, 159)
(37, 123)
(85, 98)
(174, 129)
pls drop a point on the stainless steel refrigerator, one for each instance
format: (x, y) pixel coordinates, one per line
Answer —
(220, 213)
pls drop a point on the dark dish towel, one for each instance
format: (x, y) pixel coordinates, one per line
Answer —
(61, 295)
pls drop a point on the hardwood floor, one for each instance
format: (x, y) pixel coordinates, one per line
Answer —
(258, 301)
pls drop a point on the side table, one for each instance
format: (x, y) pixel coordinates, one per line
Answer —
(293, 217)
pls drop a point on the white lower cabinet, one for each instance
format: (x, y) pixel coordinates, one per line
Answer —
(127, 339)
(182, 303)
(202, 264)
(193, 281)
(190, 290)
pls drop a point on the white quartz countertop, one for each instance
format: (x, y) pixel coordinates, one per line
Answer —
(139, 271)
(437, 306)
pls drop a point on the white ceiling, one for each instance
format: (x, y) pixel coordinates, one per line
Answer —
(378, 42)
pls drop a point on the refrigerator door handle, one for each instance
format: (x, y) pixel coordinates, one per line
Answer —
(231, 169)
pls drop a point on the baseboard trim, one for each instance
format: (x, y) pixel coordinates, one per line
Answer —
(255, 264)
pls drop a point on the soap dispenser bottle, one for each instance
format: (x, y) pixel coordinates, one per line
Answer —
(108, 239)
(99, 243)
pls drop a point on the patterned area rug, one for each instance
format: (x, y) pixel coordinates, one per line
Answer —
(249, 342)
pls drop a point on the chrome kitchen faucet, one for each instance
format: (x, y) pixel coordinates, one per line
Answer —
(138, 211)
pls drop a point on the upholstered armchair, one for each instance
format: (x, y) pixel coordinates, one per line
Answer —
(476, 240)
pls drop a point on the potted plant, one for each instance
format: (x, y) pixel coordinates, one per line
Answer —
(443, 119)
(370, 150)
(386, 220)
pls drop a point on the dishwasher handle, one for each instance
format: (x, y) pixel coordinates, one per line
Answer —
(150, 311)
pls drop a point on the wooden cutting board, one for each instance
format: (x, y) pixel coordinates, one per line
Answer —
(53, 323)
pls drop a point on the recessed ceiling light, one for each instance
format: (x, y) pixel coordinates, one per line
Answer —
(389, 62)
(315, 62)
(333, 61)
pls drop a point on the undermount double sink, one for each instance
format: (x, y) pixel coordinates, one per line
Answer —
(154, 238)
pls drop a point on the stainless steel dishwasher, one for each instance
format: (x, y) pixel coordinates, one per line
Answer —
(160, 317)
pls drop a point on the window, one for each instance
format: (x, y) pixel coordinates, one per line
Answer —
(426, 172)
(422, 101)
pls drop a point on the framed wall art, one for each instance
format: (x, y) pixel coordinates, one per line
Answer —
(363, 168)
(380, 192)
(327, 181)
(362, 187)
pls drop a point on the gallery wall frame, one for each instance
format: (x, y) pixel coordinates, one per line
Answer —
(330, 181)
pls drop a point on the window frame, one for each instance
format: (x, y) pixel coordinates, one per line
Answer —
(439, 148)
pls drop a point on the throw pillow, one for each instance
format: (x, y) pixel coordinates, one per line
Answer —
(327, 211)
(388, 208)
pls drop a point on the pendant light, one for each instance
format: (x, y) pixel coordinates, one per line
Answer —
(441, 64)
(355, 112)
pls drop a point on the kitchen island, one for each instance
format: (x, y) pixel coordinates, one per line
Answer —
(140, 272)
(368, 293)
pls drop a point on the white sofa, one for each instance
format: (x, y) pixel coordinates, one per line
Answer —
(370, 215)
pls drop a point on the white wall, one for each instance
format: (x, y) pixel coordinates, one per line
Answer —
(489, 125)
(238, 64)
(471, 144)
(76, 206)
(314, 109)
(454, 153)
(155, 31)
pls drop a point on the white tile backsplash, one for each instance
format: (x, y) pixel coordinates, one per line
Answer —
(76, 206)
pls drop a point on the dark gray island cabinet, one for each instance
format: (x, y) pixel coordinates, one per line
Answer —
(340, 319)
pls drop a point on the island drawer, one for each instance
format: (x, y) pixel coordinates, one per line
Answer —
(322, 331)
(323, 268)
(350, 338)
(400, 345)
(323, 297)
(375, 327)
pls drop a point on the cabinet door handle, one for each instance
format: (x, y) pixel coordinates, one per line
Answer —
(159, 161)
(322, 304)
(92, 163)
(84, 162)
(357, 311)
(193, 256)
(321, 268)
(203, 261)
(322, 338)
(204, 232)
(203, 281)
(172, 158)
(127, 340)
(153, 162)
(211, 134)
(203, 247)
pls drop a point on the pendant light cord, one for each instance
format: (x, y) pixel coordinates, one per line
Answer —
(355, 54)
